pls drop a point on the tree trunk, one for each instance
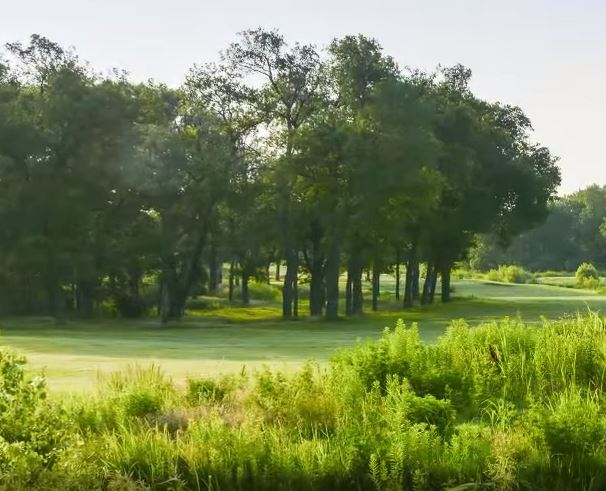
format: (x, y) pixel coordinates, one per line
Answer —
(172, 296)
(59, 306)
(398, 276)
(416, 280)
(332, 282)
(425, 296)
(358, 297)
(231, 282)
(277, 270)
(85, 298)
(317, 286)
(289, 297)
(316, 295)
(295, 297)
(376, 282)
(349, 292)
(244, 293)
(433, 280)
(445, 276)
(411, 280)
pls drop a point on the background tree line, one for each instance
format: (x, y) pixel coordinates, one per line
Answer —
(325, 162)
(573, 233)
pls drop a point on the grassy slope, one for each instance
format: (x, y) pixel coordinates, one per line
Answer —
(227, 339)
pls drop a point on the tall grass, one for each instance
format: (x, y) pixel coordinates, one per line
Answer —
(502, 406)
(510, 274)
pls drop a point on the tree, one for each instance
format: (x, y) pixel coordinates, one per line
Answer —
(291, 78)
(186, 165)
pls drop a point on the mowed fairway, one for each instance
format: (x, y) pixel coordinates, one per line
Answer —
(225, 340)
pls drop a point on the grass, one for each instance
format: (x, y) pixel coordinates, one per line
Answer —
(228, 338)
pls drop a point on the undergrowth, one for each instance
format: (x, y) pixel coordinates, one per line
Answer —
(502, 406)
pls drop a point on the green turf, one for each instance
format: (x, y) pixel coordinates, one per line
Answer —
(230, 338)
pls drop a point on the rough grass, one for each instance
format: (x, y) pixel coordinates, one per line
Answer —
(226, 338)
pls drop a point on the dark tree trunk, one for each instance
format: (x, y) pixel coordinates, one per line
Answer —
(231, 282)
(295, 295)
(317, 286)
(349, 292)
(358, 297)
(267, 274)
(172, 296)
(244, 293)
(425, 296)
(289, 297)
(432, 284)
(59, 305)
(277, 270)
(376, 283)
(445, 276)
(368, 278)
(85, 298)
(332, 282)
(416, 280)
(164, 304)
(412, 278)
(316, 294)
(398, 276)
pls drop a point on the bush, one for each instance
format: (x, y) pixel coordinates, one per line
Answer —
(587, 276)
(264, 292)
(509, 274)
(33, 430)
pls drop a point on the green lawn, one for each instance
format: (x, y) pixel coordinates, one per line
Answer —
(230, 338)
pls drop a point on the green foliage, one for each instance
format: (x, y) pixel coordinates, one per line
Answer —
(510, 274)
(34, 431)
(572, 233)
(124, 199)
(587, 276)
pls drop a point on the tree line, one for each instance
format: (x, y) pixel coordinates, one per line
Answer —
(574, 232)
(323, 162)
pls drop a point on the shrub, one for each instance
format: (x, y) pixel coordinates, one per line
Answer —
(264, 292)
(587, 276)
(509, 274)
(33, 430)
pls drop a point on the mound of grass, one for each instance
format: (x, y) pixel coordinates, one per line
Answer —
(502, 406)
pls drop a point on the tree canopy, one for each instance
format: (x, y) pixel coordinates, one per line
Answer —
(328, 162)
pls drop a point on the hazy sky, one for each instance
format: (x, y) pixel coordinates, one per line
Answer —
(549, 57)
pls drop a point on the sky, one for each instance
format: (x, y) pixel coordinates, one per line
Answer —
(548, 57)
